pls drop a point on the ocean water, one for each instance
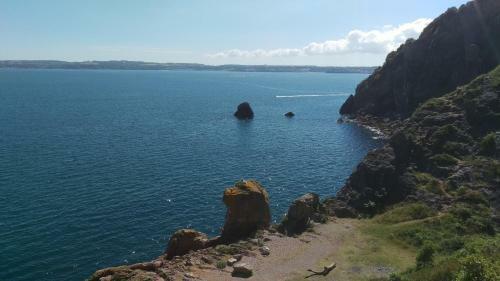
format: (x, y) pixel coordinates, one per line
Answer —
(98, 168)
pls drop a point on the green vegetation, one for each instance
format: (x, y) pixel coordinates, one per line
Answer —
(444, 160)
(425, 256)
(495, 78)
(404, 213)
(488, 145)
(221, 264)
(429, 183)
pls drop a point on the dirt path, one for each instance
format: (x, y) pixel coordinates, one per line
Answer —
(359, 256)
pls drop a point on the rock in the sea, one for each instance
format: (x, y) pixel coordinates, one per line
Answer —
(451, 51)
(242, 269)
(186, 240)
(244, 111)
(300, 213)
(289, 114)
(247, 210)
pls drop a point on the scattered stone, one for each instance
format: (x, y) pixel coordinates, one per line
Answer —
(266, 239)
(231, 261)
(190, 275)
(254, 241)
(265, 251)
(207, 260)
(247, 210)
(188, 262)
(242, 269)
(244, 111)
(186, 240)
(289, 114)
(238, 257)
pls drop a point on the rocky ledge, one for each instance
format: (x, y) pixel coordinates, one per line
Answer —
(247, 227)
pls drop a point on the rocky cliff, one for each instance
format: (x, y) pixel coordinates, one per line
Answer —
(446, 151)
(455, 48)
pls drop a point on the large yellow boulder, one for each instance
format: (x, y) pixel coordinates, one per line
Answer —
(247, 209)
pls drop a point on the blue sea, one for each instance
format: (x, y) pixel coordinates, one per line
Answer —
(98, 168)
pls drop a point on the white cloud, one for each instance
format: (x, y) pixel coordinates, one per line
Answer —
(375, 41)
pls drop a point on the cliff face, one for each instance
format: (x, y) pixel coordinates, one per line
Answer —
(454, 49)
(448, 148)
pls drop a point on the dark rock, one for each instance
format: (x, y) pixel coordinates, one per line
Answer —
(186, 240)
(300, 213)
(244, 111)
(289, 114)
(374, 183)
(454, 49)
(339, 209)
(247, 210)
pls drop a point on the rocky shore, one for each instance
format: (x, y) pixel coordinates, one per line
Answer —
(430, 194)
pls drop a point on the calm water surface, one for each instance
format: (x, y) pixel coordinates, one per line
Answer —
(98, 168)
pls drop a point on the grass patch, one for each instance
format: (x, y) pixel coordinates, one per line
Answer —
(444, 160)
(429, 183)
(488, 146)
(406, 212)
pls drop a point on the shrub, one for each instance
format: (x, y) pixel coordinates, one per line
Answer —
(444, 160)
(476, 268)
(221, 264)
(227, 250)
(425, 256)
(406, 212)
(451, 245)
(488, 145)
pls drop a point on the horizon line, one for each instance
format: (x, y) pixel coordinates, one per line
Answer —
(179, 63)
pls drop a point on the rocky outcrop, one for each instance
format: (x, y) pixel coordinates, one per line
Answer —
(186, 240)
(455, 48)
(436, 151)
(244, 111)
(300, 213)
(247, 210)
(339, 208)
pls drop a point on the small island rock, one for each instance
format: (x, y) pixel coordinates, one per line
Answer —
(244, 111)
(289, 114)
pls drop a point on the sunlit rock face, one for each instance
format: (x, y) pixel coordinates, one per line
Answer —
(455, 48)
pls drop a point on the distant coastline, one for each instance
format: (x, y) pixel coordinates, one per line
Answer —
(140, 65)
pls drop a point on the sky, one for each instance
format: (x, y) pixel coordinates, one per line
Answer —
(284, 32)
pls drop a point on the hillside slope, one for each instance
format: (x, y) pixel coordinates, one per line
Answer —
(455, 48)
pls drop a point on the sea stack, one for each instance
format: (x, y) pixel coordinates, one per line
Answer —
(289, 114)
(244, 111)
(247, 210)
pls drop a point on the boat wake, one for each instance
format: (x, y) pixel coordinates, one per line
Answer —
(314, 95)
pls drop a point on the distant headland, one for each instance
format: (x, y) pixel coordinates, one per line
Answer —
(141, 65)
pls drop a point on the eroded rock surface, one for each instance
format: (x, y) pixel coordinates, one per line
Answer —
(300, 213)
(247, 210)
(186, 240)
